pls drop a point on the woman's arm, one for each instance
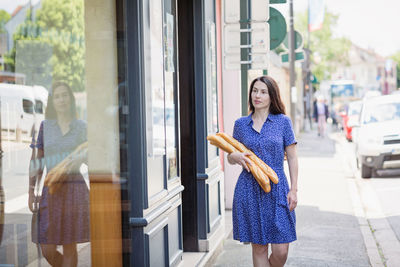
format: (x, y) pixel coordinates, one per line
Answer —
(32, 171)
(291, 152)
(35, 174)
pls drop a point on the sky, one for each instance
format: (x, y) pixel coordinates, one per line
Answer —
(10, 5)
(368, 23)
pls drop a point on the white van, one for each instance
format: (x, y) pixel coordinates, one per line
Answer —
(22, 109)
(41, 94)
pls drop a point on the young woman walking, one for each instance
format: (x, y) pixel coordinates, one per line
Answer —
(262, 218)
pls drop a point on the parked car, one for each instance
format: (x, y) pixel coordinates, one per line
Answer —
(22, 108)
(351, 117)
(377, 143)
(372, 93)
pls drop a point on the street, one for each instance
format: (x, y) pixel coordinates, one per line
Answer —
(379, 196)
(342, 219)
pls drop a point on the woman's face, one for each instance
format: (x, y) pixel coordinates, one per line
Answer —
(61, 100)
(259, 96)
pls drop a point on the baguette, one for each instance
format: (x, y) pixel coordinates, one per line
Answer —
(242, 148)
(221, 143)
(265, 168)
(62, 170)
(239, 146)
(261, 178)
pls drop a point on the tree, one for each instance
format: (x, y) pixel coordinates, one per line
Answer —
(396, 58)
(4, 17)
(326, 50)
(52, 46)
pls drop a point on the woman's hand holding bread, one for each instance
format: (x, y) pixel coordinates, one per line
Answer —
(241, 159)
(239, 154)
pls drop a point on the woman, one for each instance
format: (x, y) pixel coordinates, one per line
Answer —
(258, 217)
(63, 216)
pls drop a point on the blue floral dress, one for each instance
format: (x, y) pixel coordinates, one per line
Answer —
(260, 217)
(64, 215)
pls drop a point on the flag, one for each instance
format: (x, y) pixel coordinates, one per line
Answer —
(316, 12)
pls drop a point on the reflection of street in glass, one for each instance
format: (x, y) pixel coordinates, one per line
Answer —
(21, 109)
(61, 210)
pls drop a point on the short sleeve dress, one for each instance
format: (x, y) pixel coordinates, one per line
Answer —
(259, 217)
(64, 215)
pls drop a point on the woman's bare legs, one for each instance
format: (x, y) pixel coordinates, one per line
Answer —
(70, 255)
(277, 258)
(51, 254)
(260, 255)
(279, 254)
(69, 258)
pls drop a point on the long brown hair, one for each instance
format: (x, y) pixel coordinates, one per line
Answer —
(277, 106)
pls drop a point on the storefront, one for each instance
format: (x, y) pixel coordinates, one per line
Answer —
(123, 160)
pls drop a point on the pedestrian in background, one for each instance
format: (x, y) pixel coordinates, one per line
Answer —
(262, 218)
(321, 114)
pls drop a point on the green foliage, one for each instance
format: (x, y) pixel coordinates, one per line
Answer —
(326, 50)
(4, 17)
(51, 47)
(396, 58)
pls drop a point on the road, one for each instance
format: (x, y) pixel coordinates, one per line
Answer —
(380, 196)
(385, 186)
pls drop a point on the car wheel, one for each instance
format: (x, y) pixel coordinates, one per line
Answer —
(366, 172)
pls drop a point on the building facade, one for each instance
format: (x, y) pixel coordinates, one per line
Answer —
(368, 70)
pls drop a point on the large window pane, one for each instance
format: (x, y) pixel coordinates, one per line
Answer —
(161, 88)
(211, 79)
(60, 133)
(155, 94)
(170, 87)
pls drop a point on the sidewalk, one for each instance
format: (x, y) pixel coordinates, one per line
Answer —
(328, 232)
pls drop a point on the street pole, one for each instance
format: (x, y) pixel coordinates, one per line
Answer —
(309, 51)
(309, 73)
(291, 65)
(244, 52)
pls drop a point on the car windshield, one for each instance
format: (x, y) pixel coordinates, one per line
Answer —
(382, 112)
(354, 108)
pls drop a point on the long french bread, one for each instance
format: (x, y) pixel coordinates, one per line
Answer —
(261, 178)
(224, 145)
(242, 148)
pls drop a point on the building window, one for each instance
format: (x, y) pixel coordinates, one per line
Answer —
(160, 93)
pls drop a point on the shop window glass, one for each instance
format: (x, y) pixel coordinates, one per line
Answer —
(161, 87)
(211, 80)
(60, 170)
(170, 87)
(155, 94)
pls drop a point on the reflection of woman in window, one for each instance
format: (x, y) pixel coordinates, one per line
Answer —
(63, 215)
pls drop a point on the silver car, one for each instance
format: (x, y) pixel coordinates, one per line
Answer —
(377, 141)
